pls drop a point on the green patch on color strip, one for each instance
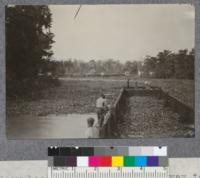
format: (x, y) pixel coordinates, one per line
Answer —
(129, 161)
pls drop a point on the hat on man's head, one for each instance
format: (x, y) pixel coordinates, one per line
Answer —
(90, 121)
(102, 95)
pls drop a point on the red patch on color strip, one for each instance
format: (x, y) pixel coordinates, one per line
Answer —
(105, 161)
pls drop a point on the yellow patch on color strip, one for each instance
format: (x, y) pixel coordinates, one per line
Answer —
(117, 161)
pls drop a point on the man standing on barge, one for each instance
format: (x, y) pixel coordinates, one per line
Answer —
(101, 105)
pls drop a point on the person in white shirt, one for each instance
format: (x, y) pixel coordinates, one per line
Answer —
(101, 105)
(92, 131)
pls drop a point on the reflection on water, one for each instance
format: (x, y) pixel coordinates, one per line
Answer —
(50, 126)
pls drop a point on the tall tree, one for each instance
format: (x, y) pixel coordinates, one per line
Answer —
(168, 64)
(28, 40)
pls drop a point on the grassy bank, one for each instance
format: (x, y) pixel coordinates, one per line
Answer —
(73, 96)
(79, 96)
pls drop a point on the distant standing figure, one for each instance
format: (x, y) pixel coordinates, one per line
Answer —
(127, 75)
(92, 131)
(101, 105)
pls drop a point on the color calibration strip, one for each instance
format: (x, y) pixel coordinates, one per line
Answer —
(108, 151)
(110, 161)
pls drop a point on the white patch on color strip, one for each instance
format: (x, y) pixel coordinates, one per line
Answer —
(148, 151)
(82, 161)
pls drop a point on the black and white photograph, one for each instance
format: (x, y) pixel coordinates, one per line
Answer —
(120, 71)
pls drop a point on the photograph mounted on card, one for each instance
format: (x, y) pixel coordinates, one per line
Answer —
(100, 71)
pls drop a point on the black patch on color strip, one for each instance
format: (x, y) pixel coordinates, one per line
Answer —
(65, 151)
(53, 151)
(59, 161)
(75, 151)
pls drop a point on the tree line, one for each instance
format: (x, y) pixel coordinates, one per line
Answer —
(165, 64)
(109, 67)
(168, 64)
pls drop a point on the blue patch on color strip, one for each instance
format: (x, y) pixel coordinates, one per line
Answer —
(140, 161)
(152, 161)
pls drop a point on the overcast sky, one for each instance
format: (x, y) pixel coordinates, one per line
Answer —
(121, 32)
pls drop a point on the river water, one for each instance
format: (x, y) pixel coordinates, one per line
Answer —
(50, 126)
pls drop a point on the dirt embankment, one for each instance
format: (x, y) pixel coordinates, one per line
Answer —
(183, 90)
(148, 117)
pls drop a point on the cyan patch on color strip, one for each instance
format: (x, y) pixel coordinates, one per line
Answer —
(141, 161)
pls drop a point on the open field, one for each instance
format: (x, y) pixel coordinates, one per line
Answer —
(79, 96)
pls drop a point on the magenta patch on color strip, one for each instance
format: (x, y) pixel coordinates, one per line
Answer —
(94, 161)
